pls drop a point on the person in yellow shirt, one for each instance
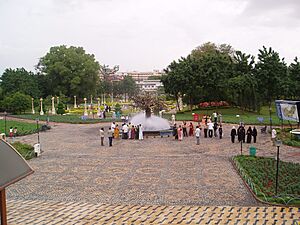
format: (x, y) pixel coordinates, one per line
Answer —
(116, 132)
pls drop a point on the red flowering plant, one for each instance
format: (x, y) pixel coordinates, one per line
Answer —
(213, 104)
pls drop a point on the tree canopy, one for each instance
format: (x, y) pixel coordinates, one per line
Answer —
(69, 71)
(19, 80)
(218, 72)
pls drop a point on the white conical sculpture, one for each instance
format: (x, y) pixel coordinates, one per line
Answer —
(41, 112)
(85, 108)
(32, 105)
(53, 112)
(75, 105)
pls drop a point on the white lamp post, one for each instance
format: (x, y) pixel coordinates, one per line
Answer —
(53, 108)
(75, 105)
(57, 100)
(85, 108)
(32, 105)
(41, 112)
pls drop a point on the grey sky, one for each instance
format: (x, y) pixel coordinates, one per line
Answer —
(144, 34)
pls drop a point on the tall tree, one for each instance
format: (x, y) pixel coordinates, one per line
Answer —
(69, 71)
(128, 87)
(19, 80)
(242, 88)
(294, 79)
(270, 71)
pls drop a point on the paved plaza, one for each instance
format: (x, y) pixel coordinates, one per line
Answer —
(75, 170)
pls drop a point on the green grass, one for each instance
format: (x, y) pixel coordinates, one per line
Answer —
(287, 138)
(24, 149)
(63, 118)
(262, 174)
(229, 115)
(23, 128)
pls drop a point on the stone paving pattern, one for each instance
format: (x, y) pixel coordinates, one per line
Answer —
(51, 212)
(155, 171)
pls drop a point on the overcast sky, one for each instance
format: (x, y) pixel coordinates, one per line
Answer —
(144, 34)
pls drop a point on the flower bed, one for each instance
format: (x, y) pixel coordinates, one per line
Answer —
(260, 175)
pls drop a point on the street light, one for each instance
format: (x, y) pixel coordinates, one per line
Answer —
(38, 130)
(5, 114)
(270, 111)
(278, 144)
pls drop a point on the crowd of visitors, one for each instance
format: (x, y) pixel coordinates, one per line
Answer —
(210, 126)
(127, 131)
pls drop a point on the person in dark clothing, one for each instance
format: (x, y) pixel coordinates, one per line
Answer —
(243, 134)
(239, 133)
(215, 129)
(205, 130)
(220, 131)
(254, 134)
(249, 135)
(185, 134)
(233, 134)
(137, 131)
(175, 133)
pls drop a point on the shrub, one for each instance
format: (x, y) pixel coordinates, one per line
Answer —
(60, 108)
(24, 149)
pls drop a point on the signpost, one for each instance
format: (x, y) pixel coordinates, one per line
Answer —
(13, 168)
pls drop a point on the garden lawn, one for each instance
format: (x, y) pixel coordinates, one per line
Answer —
(287, 138)
(63, 118)
(261, 172)
(22, 127)
(27, 151)
(229, 115)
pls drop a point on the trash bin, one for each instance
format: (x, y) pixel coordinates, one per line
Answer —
(37, 149)
(195, 117)
(252, 151)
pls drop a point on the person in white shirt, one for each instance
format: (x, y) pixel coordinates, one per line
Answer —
(197, 134)
(173, 119)
(113, 126)
(210, 129)
(125, 131)
(102, 136)
(141, 129)
(273, 137)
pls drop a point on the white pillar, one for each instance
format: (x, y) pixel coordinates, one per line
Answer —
(53, 112)
(32, 105)
(91, 100)
(75, 105)
(57, 100)
(41, 112)
(98, 109)
(85, 108)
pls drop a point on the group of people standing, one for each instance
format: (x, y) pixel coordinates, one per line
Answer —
(181, 131)
(210, 129)
(242, 133)
(128, 131)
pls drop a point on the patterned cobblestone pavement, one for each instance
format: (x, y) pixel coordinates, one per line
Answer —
(75, 169)
(51, 212)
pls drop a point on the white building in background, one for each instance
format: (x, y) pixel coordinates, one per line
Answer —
(140, 76)
(149, 85)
